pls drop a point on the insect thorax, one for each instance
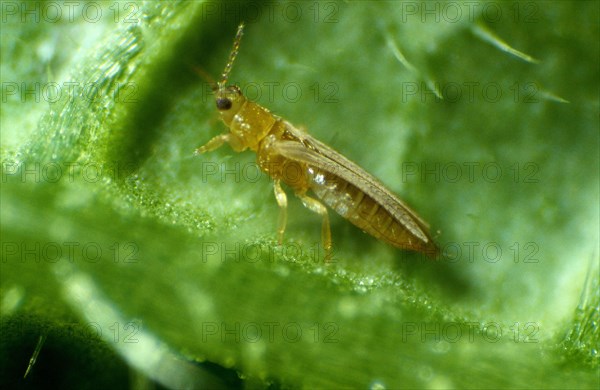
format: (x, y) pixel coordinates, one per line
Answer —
(251, 124)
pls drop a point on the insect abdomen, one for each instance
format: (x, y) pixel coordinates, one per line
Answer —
(366, 213)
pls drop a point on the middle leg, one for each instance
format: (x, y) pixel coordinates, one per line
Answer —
(281, 198)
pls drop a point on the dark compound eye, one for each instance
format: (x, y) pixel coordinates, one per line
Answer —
(223, 104)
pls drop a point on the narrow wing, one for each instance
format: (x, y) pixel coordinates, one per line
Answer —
(355, 194)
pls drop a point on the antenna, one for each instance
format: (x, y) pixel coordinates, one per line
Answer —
(232, 55)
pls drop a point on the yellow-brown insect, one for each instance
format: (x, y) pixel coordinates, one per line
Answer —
(291, 156)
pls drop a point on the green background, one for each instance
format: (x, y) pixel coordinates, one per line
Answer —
(136, 261)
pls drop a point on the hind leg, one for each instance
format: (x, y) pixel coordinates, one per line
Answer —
(317, 207)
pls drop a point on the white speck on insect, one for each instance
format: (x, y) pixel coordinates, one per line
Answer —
(320, 179)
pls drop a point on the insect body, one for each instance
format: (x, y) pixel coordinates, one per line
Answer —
(291, 156)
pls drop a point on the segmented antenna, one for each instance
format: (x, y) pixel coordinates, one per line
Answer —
(232, 55)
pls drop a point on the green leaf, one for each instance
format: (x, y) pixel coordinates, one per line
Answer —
(484, 119)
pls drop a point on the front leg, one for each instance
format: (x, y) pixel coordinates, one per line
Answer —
(218, 141)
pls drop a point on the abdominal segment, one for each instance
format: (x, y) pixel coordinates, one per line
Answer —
(364, 211)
